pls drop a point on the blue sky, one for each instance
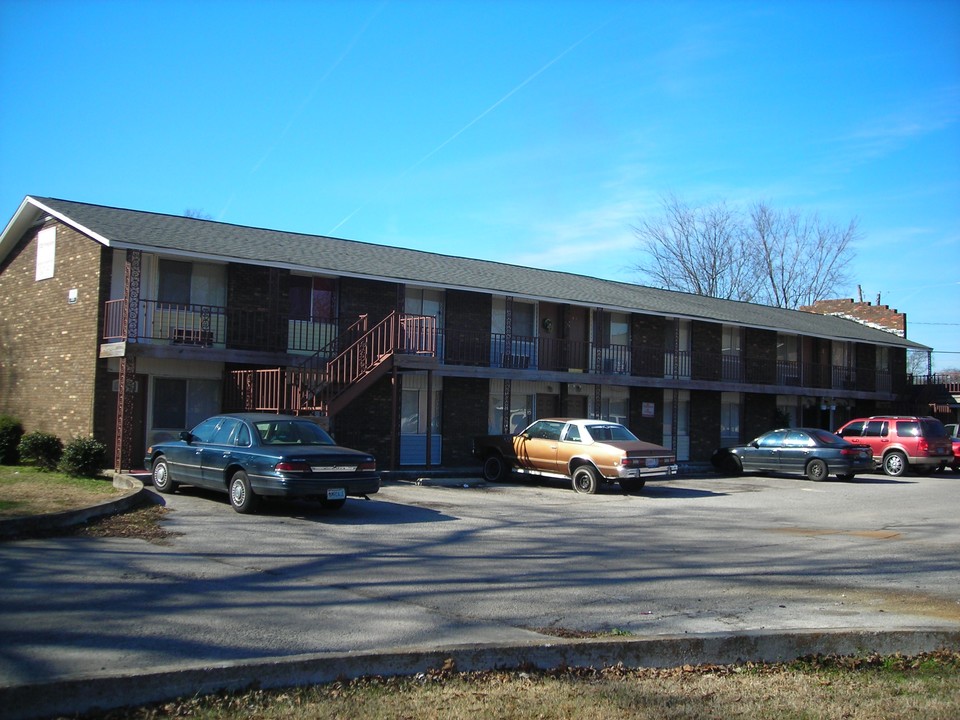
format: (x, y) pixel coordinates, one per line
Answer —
(536, 133)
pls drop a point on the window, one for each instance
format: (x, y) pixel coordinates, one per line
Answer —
(616, 329)
(413, 407)
(875, 428)
(173, 282)
(854, 429)
(524, 316)
(180, 403)
(729, 417)
(206, 431)
(795, 438)
(614, 409)
(224, 435)
(46, 252)
(312, 298)
(520, 413)
(572, 434)
(774, 439)
(731, 340)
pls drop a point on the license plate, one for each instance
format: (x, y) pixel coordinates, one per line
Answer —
(336, 494)
(652, 462)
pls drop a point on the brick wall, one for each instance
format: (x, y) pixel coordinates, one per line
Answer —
(468, 320)
(251, 291)
(759, 415)
(878, 316)
(465, 403)
(49, 347)
(704, 424)
(760, 355)
(706, 343)
(649, 429)
(648, 334)
(366, 424)
(376, 299)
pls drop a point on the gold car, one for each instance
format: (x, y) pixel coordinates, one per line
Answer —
(588, 452)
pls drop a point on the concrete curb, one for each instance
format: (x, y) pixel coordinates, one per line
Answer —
(80, 694)
(136, 495)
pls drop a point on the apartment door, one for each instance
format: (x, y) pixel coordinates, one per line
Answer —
(575, 333)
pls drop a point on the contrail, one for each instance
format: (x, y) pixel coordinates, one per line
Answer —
(309, 98)
(482, 115)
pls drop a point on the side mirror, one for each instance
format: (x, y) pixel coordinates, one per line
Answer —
(754, 444)
(186, 436)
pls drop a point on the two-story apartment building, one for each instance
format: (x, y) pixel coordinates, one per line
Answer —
(133, 325)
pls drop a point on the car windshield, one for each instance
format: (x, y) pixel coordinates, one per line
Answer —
(609, 431)
(291, 432)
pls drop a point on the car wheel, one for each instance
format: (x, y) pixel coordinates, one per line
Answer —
(629, 486)
(817, 470)
(241, 496)
(895, 463)
(332, 504)
(846, 477)
(494, 469)
(585, 480)
(161, 476)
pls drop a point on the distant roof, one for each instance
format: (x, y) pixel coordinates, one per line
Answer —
(176, 235)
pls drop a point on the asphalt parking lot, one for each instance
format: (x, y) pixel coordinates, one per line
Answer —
(467, 562)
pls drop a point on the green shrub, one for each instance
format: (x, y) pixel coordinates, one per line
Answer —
(10, 433)
(83, 457)
(42, 449)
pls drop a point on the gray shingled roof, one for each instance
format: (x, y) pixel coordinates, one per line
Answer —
(177, 235)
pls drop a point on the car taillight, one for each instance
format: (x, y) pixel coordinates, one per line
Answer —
(367, 466)
(292, 467)
(922, 446)
(857, 450)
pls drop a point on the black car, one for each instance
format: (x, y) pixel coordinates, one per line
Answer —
(247, 455)
(814, 452)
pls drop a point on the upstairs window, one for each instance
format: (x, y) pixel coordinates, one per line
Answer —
(46, 252)
(173, 283)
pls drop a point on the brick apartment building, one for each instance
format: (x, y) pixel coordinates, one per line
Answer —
(132, 326)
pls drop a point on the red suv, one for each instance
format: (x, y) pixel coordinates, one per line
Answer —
(902, 442)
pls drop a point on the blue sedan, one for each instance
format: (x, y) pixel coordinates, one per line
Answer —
(248, 455)
(814, 452)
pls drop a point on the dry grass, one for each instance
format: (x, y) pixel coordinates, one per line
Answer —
(927, 687)
(25, 491)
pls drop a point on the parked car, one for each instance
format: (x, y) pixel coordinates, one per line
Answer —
(587, 452)
(900, 443)
(814, 452)
(953, 432)
(249, 455)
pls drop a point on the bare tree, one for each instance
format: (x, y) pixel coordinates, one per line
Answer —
(804, 258)
(704, 251)
(197, 214)
(774, 257)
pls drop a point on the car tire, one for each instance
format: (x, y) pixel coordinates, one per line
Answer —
(242, 497)
(895, 463)
(629, 486)
(817, 470)
(162, 481)
(585, 480)
(494, 468)
(846, 477)
(332, 504)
